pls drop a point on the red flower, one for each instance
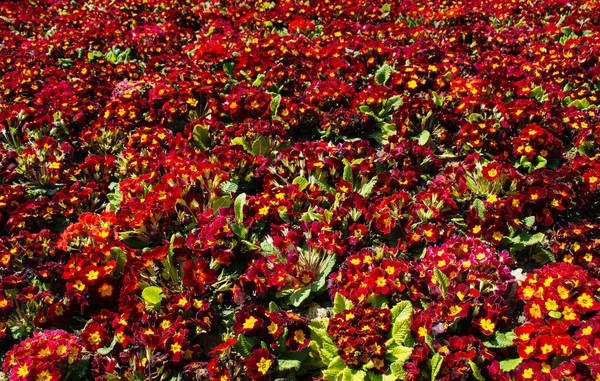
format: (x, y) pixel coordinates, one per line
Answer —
(298, 337)
(198, 274)
(260, 364)
(491, 171)
(223, 347)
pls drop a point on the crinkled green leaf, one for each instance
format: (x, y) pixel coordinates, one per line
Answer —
(529, 221)
(238, 207)
(480, 206)
(340, 303)
(501, 340)
(260, 146)
(424, 137)
(153, 295)
(284, 364)
(383, 74)
(401, 354)
(120, 258)
(201, 135)
(366, 189)
(221, 202)
(397, 370)
(401, 311)
(348, 175)
(476, 372)
(229, 186)
(442, 281)
(300, 295)
(436, 365)
(336, 366)
(510, 364)
(302, 183)
(319, 283)
(106, 350)
(275, 102)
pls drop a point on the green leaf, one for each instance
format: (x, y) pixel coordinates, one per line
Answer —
(476, 372)
(442, 281)
(377, 301)
(228, 186)
(383, 74)
(555, 314)
(400, 331)
(171, 265)
(238, 207)
(300, 295)
(437, 99)
(336, 366)
(323, 185)
(340, 303)
(366, 109)
(275, 102)
(302, 183)
(348, 175)
(530, 240)
(436, 365)
(221, 202)
(529, 221)
(261, 147)
(397, 370)
(541, 162)
(366, 189)
(284, 364)
(153, 295)
(348, 374)
(544, 256)
(244, 345)
(320, 281)
(239, 229)
(510, 364)
(120, 258)
(401, 353)
(229, 68)
(202, 136)
(239, 141)
(259, 80)
(501, 340)
(115, 198)
(393, 103)
(480, 206)
(401, 311)
(106, 350)
(424, 137)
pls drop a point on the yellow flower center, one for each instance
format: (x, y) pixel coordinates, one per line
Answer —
(250, 322)
(263, 365)
(300, 338)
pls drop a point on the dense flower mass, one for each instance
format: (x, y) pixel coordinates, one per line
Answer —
(359, 333)
(263, 190)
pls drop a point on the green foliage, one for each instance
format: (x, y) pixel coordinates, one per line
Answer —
(152, 295)
(399, 346)
(383, 74)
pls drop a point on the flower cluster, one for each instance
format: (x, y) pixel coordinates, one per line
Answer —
(188, 187)
(368, 273)
(360, 335)
(562, 328)
(50, 355)
(269, 326)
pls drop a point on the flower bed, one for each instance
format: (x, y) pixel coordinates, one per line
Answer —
(337, 190)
